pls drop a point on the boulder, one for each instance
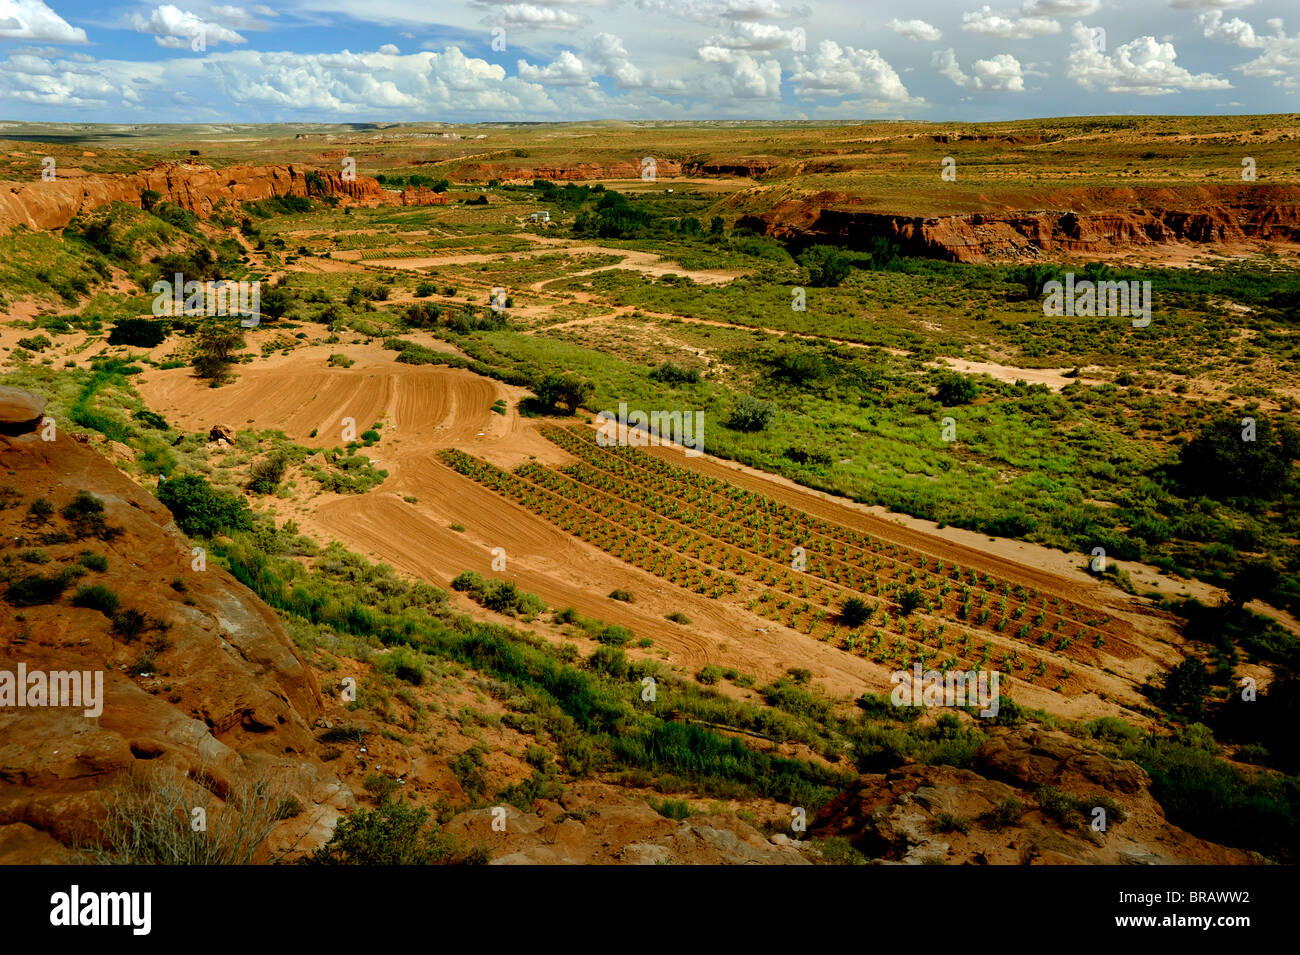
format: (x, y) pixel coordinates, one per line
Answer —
(220, 432)
(20, 410)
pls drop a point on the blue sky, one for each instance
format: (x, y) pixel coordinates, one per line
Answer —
(555, 60)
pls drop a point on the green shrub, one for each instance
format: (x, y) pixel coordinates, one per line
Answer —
(139, 332)
(393, 834)
(855, 612)
(956, 390)
(827, 266)
(404, 664)
(950, 822)
(1004, 815)
(750, 414)
(671, 373)
(672, 808)
(265, 475)
(35, 589)
(96, 597)
(85, 514)
(200, 509)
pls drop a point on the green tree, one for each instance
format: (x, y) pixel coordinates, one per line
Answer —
(956, 390)
(1223, 462)
(827, 266)
(217, 343)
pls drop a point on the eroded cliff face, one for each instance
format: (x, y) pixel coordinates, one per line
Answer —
(211, 696)
(1091, 222)
(193, 186)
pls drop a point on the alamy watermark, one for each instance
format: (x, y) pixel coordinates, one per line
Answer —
(955, 688)
(208, 298)
(639, 429)
(75, 688)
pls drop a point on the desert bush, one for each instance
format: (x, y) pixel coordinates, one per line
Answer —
(672, 808)
(835, 850)
(951, 822)
(96, 597)
(956, 390)
(671, 373)
(85, 516)
(39, 511)
(1004, 815)
(139, 332)
(265, 475)
(750, 414)
(499, 595)
(393, 834)
(200, 509)
(36, 589)
(403, 663)
(855, 612)
(148, 822)
(344, 733)
(709, 674)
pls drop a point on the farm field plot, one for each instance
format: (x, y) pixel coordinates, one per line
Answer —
(719, 540)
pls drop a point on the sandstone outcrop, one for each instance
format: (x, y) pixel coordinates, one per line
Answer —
(211, 694)
(191, 185)
(916, 814)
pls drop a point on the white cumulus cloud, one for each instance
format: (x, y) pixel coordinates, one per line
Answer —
(1008, 25)
(916, 30)
(1143, 66)
(176, 28)
(34, 20)
(836, 70)
(1000, 73)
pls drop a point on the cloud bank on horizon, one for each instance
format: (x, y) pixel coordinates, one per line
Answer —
(557, 60)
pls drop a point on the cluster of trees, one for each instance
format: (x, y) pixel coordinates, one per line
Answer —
(1236, 458)
(414, 180)
(613, 217)
(459, 320)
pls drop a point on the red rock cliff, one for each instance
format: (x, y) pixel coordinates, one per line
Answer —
(198, 188)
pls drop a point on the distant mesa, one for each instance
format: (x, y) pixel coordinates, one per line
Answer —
(1089, 221)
